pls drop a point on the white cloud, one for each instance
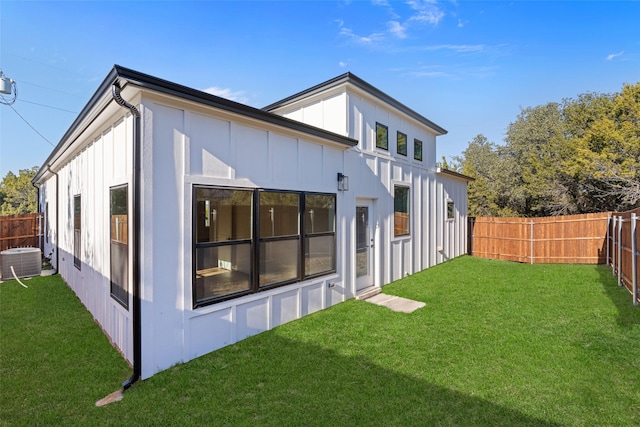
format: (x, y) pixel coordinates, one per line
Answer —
(459, 48)
(426, 11)
(462, 23)
(342, 64)
(614, 55)
(397, 29)
(237, 96)
(374, 37)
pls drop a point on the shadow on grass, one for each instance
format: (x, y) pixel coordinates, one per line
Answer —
(628, 314)
(273, 380)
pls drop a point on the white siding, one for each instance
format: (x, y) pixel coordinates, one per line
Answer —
(90, 173)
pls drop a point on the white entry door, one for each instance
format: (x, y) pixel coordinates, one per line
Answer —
(364, 246)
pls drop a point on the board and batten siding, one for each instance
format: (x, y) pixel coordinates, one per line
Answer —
(373, 174)
(186, 146)
(451, 235)
(101, 162)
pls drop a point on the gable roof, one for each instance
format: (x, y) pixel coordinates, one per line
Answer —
(356, 81)
(126, 76)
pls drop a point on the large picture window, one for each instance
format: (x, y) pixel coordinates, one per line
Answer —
(119, 248)
(77, 231)
(382, 136)
(246, 241)
(401, 211)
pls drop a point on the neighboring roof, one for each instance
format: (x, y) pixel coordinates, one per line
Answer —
(454, 174)
(125, 76)
(358, 82)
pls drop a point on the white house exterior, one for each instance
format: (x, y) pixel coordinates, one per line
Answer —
(185, 222)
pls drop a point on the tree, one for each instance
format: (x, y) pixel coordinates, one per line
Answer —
(605, 135)
(580, 156)
(17, 195)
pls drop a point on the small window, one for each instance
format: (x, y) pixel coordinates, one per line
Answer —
(451, 212)
(401, 211)
(402, 144)
(77, 231)
(417, 149)
(382, 136)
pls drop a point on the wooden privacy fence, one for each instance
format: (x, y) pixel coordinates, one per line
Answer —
(572, 239)
(602, 238)
(623, 250)
(17, 231)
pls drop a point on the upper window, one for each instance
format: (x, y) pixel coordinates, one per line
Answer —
(402, 144)
(249, 240)
(382, 136)
(119, 248)
(451, 212)
(417, 149)
(77, 231)
(401, 211)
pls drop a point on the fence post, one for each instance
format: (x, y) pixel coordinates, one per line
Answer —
(619, 251)
(634, 256)
(531, 244)
(607, 238)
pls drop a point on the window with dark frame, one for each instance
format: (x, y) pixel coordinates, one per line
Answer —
(77, 231)
(402, 143)
(451, 212)
(417, 149)
(401, 215)
(248, 240)
(46, 222)
(319, 234)
(382, 136)
(223, 243)
(279, 259)
(119, 246)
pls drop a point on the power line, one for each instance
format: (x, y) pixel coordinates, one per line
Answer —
(48, 106)
(29, 124)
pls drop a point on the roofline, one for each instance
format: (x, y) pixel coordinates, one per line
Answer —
(454, 174)
(125, 76)
(349, 77)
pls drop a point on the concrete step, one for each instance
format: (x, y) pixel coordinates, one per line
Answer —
(368, 292)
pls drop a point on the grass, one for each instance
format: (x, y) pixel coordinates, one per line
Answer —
(498, 343)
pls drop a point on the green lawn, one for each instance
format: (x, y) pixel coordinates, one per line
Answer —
(498, 343)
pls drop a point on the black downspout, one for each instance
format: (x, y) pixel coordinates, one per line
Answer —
(137, 329)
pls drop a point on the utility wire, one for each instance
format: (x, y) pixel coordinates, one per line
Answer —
(48, 106)
(29, 124)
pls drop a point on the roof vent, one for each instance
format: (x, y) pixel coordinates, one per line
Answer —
(26, 262)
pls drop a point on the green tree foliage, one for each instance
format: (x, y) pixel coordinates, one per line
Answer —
(17, 195)
(576, 157)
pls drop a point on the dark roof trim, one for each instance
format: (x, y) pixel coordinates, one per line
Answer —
(358, 82)
(455, 174)
(127, 76)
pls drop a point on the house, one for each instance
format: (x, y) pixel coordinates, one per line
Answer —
(186, 222)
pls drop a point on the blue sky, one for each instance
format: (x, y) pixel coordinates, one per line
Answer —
(469, 66)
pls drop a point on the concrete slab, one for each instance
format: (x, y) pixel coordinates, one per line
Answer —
(399, 304)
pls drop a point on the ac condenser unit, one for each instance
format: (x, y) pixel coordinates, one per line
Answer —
(26, 262)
